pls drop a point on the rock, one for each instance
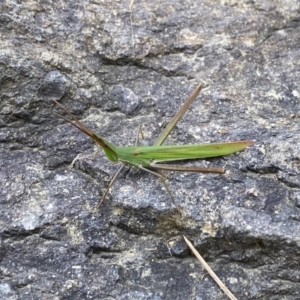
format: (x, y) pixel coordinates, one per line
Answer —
(118, 65)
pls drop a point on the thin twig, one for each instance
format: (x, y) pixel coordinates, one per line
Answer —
(209, 270)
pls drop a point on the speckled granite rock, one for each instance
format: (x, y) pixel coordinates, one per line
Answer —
(116, 66)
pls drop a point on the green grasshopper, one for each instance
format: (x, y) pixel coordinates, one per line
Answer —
(144, 157)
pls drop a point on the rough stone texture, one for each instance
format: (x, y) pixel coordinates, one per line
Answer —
(116, 66)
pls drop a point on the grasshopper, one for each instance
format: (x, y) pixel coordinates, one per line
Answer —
(154, 157)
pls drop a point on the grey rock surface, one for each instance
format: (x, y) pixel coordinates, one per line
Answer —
(118, 64)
